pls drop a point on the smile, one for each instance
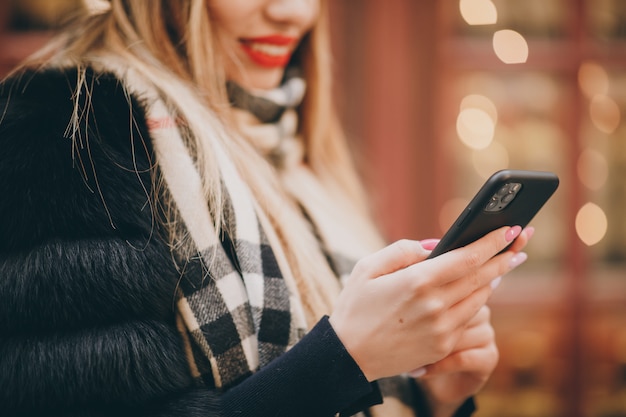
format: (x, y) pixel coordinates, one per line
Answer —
(269, 51)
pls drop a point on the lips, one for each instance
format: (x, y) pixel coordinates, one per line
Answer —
(269, 51)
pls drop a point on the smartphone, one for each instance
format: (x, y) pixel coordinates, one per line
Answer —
(508, 198)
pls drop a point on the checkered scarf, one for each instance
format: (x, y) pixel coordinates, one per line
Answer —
(235, 304)
(239, 307)
(269, 121)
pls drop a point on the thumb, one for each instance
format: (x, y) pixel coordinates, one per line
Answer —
(481, 360)
(390, 259)
(429, 244)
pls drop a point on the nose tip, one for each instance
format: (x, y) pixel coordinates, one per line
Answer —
(300, 12)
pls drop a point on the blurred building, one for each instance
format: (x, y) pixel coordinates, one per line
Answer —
(438, 94)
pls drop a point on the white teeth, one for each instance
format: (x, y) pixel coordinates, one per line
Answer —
(268, 49)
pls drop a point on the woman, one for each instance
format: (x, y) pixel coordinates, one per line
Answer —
(178, 213)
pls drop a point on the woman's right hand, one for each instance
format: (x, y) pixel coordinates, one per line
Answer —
(399, 311)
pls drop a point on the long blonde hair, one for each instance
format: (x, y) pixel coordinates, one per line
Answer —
(172, 45)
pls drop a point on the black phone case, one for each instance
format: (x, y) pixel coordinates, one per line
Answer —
(475, 222)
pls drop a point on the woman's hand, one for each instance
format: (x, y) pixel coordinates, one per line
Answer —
(452, 380)
(399, 311)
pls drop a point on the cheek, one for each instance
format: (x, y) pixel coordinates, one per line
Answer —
(229, 14)
(316, 8)
(230, 18)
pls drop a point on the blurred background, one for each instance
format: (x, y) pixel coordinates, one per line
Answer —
(437, 95)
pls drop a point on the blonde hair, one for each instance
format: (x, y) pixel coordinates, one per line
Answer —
(172, 45)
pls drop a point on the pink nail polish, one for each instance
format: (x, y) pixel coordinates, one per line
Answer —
(512, 233)
(530, 231)
(518, 259)
(429, 244)
(496, 282)
(416, 373)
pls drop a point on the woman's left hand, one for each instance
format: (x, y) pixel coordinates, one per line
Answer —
(451, 381)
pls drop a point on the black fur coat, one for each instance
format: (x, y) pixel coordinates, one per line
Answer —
(87, 282)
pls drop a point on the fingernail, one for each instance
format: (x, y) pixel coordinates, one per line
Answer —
(496, 282)
(518, 259)
(530, 231)
(419, 372)
(429, 244)
(512, 233)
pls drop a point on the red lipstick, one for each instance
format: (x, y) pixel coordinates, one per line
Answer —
(269, 51)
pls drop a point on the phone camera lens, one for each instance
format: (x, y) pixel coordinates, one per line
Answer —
(503, 196)
(508, 198)
(502, 191)
(493, 203)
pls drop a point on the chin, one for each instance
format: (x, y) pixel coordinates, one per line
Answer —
(261, 79)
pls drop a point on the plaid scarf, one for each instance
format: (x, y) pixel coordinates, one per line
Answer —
(343, 237)
(239, 307)
(236, 306)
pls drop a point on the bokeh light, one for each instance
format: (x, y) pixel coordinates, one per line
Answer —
(478, 12)
(593, 169)
(605, 113)
(593, 79)
(475, 128)
(510, 46)
(478, 101)
(591, 224)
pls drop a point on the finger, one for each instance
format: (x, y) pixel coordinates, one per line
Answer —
(483, 316)
(392, 258)
(459, 262)
(481, 360)
(522, 240)
(496, 267)
(516, 260)
(493, 269)
(461, 313)
(475, 337)
(429, 244)
(467, 307)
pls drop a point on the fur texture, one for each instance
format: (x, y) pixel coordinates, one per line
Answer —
(87, 282)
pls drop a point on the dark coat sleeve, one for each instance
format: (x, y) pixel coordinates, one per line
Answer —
(87, 283)
(316, 378)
